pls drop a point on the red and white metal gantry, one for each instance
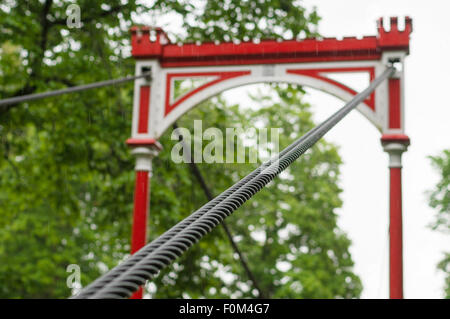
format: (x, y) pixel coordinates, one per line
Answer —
(309, 62)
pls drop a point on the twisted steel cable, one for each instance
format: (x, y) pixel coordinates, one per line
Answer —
(132, 260)
(37, 96)
(126, 278)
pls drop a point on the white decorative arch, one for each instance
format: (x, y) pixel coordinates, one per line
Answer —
(164, 109)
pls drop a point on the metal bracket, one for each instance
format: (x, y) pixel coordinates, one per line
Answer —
(146, 69)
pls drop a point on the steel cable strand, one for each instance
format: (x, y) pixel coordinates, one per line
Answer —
(100, 282)
(178, 245)
(78, 88)
(108, 277)
(163, 238)
(360, 97)
(116, 289)
(204, 225)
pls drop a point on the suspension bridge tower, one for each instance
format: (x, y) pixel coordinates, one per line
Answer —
(308, 62)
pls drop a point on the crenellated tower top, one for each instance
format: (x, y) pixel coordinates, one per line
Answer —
(394, 39)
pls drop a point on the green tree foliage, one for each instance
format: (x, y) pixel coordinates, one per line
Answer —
(252, 20)
(67, 180)
(440, 200)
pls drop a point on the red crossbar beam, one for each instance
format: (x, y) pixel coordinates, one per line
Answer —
(150, 43)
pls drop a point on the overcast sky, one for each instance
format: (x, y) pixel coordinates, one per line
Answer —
(364, 215)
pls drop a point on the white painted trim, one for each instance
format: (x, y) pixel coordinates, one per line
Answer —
(245, 80)
(395, 151)
(158, 122)
(401, 55)
(144, 156)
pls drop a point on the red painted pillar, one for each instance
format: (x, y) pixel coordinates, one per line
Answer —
(140, 215)
(144, 154)
(395, 234)
(395, 145)
(144, 149)
(140, 212)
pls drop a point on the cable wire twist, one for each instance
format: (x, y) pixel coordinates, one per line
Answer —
(126, 278)
(37, 96)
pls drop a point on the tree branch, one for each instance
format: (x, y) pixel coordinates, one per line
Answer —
(37, 61)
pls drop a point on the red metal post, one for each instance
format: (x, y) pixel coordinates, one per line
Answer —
(144, 149)
(395, 145)
(144, 154)
(395, 234)
(140, 215)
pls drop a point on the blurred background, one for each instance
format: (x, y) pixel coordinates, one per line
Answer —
(319, 231)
